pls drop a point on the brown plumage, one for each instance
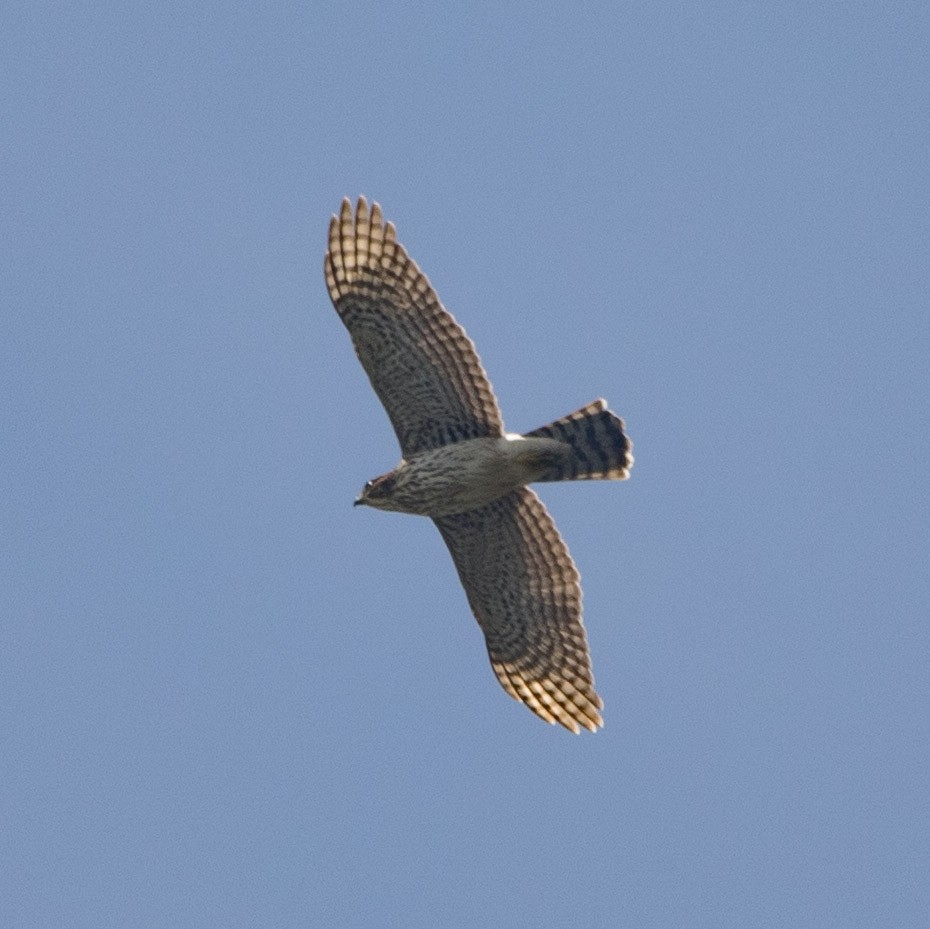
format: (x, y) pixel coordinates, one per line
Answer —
(460, 468)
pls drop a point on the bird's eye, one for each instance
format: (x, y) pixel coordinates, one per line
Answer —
(369, 485)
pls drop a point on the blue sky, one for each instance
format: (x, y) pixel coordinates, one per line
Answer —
(228, 699)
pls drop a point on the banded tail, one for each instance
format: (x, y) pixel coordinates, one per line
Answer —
(600, 449)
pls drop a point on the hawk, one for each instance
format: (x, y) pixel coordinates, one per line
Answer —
(462, 469)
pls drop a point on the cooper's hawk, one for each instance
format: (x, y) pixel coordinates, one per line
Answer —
(463, 470)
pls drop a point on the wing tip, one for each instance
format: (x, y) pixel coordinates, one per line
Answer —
(554, 700)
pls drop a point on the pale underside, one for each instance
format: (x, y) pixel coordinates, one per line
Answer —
(464, 475)
(521, 583)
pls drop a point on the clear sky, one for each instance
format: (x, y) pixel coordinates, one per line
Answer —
(228, 699)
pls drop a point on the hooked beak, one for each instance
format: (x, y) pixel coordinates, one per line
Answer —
(358, 502)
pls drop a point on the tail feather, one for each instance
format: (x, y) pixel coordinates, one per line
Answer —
(600, 449)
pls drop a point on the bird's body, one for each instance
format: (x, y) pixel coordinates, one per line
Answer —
(460, 468)
(463, 475)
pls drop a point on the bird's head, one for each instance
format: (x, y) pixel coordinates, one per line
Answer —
(378, 492)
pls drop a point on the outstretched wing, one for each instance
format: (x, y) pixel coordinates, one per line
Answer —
(423, 367)
(524, 590)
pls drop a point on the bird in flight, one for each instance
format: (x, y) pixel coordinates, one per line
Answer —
(462, 469)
